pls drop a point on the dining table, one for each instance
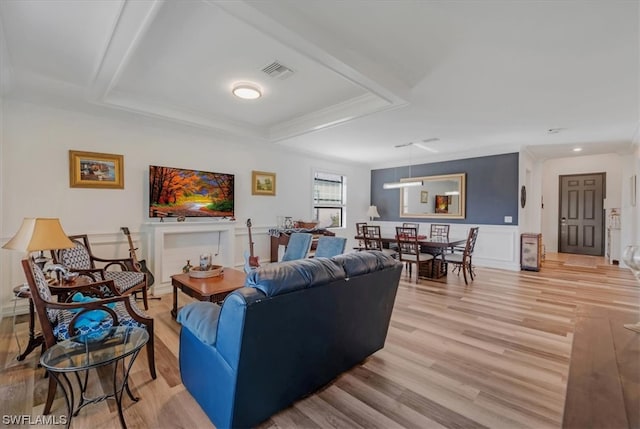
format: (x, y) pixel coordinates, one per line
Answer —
(433, 245)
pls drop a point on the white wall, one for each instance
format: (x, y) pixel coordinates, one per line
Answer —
(613, 165)
(630, 233)
(34, 178)
(530, 217)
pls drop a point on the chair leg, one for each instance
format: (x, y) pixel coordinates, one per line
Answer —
(51, 393)
(471, 270)
(151, 355)
(464, 269)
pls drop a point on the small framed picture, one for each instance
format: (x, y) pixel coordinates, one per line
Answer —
(424, 197)
(96, 170)
(263, 183)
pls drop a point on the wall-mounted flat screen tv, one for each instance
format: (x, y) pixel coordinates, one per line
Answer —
(175, 192)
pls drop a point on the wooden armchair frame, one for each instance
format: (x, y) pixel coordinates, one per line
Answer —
(98, 274)
(43, 305)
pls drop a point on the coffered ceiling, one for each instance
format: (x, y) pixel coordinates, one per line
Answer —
(469, 77)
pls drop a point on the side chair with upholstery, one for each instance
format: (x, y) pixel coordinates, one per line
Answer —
(329, 246)
(360, 230)
(439, 230)
(373, 240)
(463, 261)
(412, 225)
(298, 246)
(127, 279)
(409, 250)
(59, 320)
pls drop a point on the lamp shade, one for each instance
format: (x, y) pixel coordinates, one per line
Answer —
(372, 212)
(39, 234)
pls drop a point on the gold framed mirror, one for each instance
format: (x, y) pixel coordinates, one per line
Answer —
(439, 197)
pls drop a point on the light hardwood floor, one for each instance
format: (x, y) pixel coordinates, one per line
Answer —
(494, 354)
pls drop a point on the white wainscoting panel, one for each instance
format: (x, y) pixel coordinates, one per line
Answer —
(496, 247)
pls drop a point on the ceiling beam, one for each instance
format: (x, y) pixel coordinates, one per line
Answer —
(132, 23)
(283, 24)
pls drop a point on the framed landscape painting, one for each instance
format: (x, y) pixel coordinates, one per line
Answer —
(263, 183)
(96, 170)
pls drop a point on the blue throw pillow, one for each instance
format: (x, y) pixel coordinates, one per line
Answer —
(91, 318)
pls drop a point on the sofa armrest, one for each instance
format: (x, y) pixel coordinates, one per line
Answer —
(231, 322)
(201, 318)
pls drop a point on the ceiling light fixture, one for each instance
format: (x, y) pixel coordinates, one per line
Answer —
(246, 91)
(403, 183)
(408, 184)
(577, 149)
(424, 147)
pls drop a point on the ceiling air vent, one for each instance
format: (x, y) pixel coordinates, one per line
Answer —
(277, 70)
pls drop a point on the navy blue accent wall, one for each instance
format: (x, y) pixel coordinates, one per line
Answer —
(492, 188)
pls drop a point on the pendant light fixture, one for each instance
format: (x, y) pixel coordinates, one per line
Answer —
(408, 184)
(403, 183)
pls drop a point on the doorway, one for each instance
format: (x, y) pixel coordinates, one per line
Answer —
(581, 214)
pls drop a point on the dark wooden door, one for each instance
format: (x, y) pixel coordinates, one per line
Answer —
(581, 222)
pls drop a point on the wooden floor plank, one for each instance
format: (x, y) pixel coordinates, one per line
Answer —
(506, 351)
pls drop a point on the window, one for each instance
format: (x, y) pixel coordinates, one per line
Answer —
(329, 198)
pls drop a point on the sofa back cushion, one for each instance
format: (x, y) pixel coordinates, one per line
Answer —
(357, 263)
(284, 277)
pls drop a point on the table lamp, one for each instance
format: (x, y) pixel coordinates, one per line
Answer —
(39, 234)
(372, 212)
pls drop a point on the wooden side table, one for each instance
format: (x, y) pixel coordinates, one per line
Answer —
(35, 341)
(210, 289)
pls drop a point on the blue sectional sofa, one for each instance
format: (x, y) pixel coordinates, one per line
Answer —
(295, 327)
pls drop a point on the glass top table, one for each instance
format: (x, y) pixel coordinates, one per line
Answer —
(85, 352)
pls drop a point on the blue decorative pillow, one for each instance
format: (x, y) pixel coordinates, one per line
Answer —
(90, 318)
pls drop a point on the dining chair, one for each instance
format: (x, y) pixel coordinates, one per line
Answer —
(329, 247)
(93, 313)
(412, 225)
(439, 230)
(126, 277)
(373, 240)
(409, 250)
(298, 246)
(463, 261)
(360, 226)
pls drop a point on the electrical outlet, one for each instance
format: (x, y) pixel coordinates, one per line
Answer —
(508, 219)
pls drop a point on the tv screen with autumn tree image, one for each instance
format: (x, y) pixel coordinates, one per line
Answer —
(175, 192)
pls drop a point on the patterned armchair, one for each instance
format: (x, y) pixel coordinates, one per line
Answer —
(127, 279)
(62, 320)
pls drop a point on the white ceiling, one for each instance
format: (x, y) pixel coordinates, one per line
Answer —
(480, 76)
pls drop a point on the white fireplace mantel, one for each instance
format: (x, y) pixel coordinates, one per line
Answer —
(172, 243)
